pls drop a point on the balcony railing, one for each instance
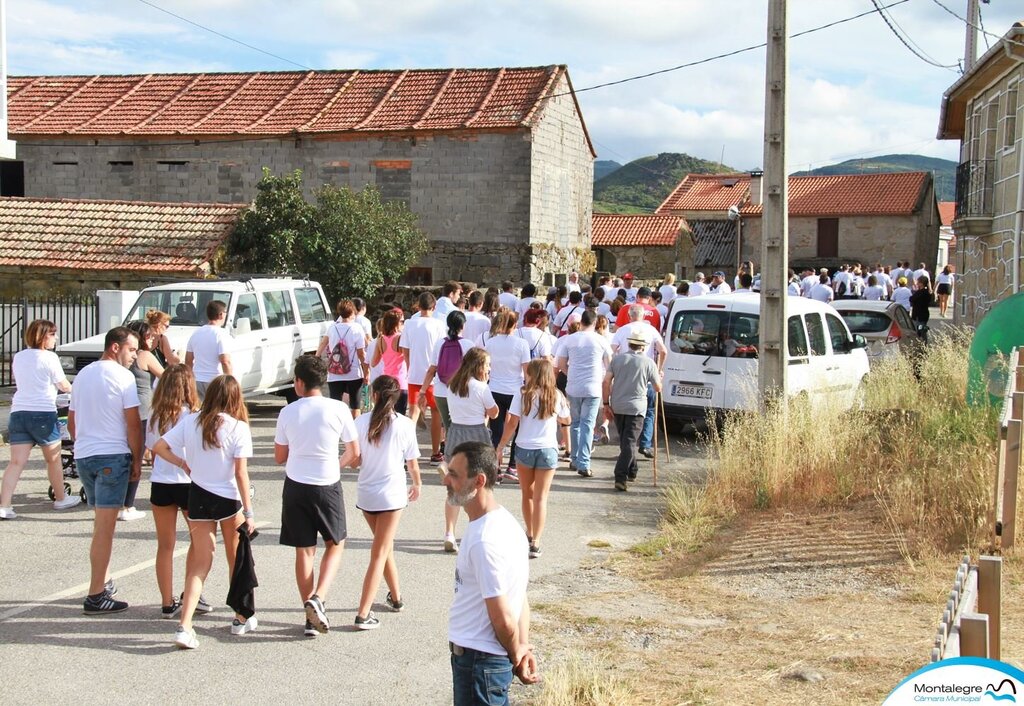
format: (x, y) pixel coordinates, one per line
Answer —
(974, 187)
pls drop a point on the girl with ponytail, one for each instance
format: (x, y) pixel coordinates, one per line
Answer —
(387, 442)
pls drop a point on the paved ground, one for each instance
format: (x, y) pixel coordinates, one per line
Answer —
(50, 652)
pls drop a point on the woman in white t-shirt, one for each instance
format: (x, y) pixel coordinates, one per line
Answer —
(509, 357)
(213, 448)
(537, 411)
(470, 404)
(387, 441)
(348, 332)
(901, 295)
(173, 398)
(943, 288)
(33, 420)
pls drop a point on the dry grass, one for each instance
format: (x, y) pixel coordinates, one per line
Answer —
(575, 682)
(915, 447)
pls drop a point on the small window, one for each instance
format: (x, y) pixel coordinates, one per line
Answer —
(311, 306)
(248, 308)
(816, 334)
(797, 338)
(866, 321)
(278, 306)
(837, 332)
(903, 318)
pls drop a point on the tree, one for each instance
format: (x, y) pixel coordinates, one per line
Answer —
(350, 241)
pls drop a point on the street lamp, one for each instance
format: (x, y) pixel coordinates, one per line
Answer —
(734, 215)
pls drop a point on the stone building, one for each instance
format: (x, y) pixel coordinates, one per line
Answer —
(847, 218)
(648, 246)
(64, 245)
(496, 163)
(983, 110)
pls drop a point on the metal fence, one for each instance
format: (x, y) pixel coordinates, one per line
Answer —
(975, 180)
(76, 317)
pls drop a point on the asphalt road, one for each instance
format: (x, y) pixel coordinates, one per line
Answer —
(50, 652)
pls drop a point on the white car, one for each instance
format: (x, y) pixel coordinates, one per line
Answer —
(712, 355)
(272, 321)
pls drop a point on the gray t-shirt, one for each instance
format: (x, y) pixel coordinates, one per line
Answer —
(631, 373)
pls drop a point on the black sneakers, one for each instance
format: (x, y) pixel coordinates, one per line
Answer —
(309, 630)
(620, 485)
(102, 603)
(370, 622)
(534, 551)
(316, 614)
(393, 604)
(168, 612)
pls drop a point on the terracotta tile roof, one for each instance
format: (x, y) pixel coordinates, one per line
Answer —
(112, 235)
(265, 104)
(896, 193)
(947, 209)
(639, 230)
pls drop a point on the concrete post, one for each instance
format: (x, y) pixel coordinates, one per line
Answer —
(775, 219)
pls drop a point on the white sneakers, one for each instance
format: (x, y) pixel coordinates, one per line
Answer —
(450, 545)
(67, 503)
(7, 513)
(185, 639)
(249, 625)
(130, 514)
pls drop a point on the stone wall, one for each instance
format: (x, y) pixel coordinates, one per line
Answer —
(866, 239)
(561, 186)
(645, 263)
(41, 282)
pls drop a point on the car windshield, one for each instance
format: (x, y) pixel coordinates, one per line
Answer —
(186, 307)
(867, 321)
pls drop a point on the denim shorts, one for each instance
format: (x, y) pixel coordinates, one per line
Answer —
(105, 479)
(480, 679)
(38, 428)
(537, 459)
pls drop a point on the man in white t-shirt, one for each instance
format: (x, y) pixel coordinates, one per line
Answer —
(489, 618)
(807, 281)
(719, 285)
(668, 289)
(573, 283)
(583, 358)
(698, 287)
(822, 292)
(523, 305)
(420, 335)
(507, 297)
(611, 290)
(922, 271)
(476, 323)
(105, 424)
(450, 294)
(208, 353)
(627, 283)
(308, 435)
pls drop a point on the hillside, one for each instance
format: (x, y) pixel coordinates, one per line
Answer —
(604, 167)
(943, 169)
(641, 185)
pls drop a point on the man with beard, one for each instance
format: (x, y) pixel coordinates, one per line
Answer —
(489, 620)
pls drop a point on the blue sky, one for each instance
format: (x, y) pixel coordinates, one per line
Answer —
(854, 90)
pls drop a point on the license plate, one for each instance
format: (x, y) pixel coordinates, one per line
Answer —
(700, 392)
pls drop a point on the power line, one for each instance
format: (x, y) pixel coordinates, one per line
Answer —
(982, 29)
(734, 52)
(224, 36)
(919, 53)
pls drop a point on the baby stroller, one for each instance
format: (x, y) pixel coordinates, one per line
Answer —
(67, 448)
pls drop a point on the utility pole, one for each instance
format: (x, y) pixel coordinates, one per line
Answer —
(775, 216)
(971, 48)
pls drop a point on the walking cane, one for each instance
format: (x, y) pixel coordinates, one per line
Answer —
(655, 447)
(664, 425)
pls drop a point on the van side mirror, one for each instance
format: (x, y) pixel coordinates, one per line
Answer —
(242, 326)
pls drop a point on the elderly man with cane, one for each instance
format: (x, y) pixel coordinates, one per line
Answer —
(625, 401)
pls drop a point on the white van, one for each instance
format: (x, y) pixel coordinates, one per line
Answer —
(272, 321)
(712, 354)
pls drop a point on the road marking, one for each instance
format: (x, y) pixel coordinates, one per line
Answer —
(82, 588)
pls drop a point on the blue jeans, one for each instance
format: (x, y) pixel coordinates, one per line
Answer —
(479, 678)
(581, 433)
(647, 433)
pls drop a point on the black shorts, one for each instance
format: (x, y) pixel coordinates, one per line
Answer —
(166, 494)
(353, 388)
(942, 289)
(204, 505)
(309, 510)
